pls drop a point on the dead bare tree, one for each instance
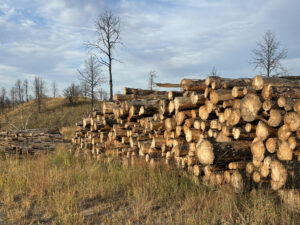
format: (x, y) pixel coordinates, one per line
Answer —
(72, 93)
(39, 87)
(13, 97)
(2, 99)
(151, 82)
(54, 89)
(84, 89)
(102, 94)
(268, 55)
(108, 38)
(213, 72)
(19, 90)
(25, 88)
(91, 75)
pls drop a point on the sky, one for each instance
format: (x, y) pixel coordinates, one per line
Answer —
(176, 38)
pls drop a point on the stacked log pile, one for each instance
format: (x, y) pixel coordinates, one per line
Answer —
(29, 141)
(236, 131)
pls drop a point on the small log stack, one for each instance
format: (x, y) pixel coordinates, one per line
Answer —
(244, 132)
(29, 141)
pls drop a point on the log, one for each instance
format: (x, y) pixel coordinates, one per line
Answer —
(231, 151)
(138, 91)
(197, 124)
(205, 152)
(120, 97)
(272, 144)
(234, 117)
(203, 112)
(157, 142)
(293, 144)
(189, 122)
(173, 94)
(217, 96)
(171, 107)
(167, 85)
(263, 131)
(163, 107)
(258, 150)
(192, 85)
(287, 92)
(237, 133)
(249, 127)
(284, 132)
(179, 131)
(259, 82)
(275, 118)
(278, 175)
(227, 104)
(282, 102)
(192, 134)
(157, 125)
(284, 151)
(170, 124)
(197, 99)
(181, 150)
(267, 92)
(181, 116)
(107, 107)
(250, 106)
(296, 106)
(148, 110)
(267, 105)
(219, 82)
(183, 103)
(238, 92)
(221, 138)
(292, 121)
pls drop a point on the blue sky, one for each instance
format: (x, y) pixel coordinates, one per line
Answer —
(176, 38)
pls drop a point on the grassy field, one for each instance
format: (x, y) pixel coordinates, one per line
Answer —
(56, 112)
(60, 188)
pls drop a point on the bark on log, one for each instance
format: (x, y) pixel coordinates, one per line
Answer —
(138, 91)
(259, 82)
(217, 96)
(219, 82)
(183, 103)
(108, 107)
(173, 94)
(192, 85)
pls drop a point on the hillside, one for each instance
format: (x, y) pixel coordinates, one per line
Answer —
(56, 112)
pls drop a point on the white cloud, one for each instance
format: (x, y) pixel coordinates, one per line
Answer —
(177, 38)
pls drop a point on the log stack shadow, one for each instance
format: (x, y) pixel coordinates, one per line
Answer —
(244, 132)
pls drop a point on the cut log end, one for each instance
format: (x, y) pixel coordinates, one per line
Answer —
(250, 105)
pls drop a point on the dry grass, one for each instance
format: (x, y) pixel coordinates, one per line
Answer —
(68, 132)
(56, 112)
(62, 189)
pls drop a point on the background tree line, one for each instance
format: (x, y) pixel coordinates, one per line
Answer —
(38, 89)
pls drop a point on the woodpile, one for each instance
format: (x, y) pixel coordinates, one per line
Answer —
(29, 141)
(243, 132)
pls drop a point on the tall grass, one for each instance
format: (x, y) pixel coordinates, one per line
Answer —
(62, 189)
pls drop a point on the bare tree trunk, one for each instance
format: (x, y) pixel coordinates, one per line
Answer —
(110, 79)
(92, 103)
(39, 105)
